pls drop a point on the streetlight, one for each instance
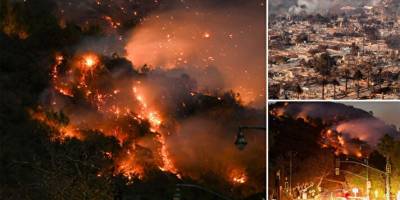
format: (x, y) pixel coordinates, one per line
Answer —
(177, 195)
(376, 193)
(398, 195)
(355, 191)
(240, 141)
(386, 173)
(368, 181)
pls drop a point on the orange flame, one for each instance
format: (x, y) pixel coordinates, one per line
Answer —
(65, 131)
(89, 61)
(238, 176)
(79, 76)
(155, 122)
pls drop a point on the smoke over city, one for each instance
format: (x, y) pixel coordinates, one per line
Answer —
(318, 6)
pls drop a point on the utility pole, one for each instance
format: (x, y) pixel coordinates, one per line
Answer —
(388, 170)
(290, 172)
(368, 182)
(278, 185)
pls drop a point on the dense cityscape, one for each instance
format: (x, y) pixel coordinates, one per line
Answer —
(343, 52)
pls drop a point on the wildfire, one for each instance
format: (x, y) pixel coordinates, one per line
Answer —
(154, 119)
(114, 24)
(334, 139)
(64, 130)
(58, 84)
(238, 176)
(69, 132)
(167, 162)
(90, 60)
(117, 118)
(155, 122)
(65, 91)
(129, 167)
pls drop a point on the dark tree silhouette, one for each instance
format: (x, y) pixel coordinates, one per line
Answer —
(302, 37)
(274, 91)
(378, 78)
(354, 49)
(372, 32)
(335, 83)
(358, 76)
(298, 90)
(368, 69)
(346, 76)
(324, 65)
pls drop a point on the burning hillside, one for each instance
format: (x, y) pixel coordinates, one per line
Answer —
(345, 126)
(151, 111)
(322, 149)
(128, 98)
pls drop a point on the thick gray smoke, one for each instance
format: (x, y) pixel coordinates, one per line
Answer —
(369, 130)
(351, 122)
(219, 43)
(317, 6)
(223, 48)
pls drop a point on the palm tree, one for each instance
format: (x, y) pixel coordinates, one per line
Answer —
(324, 65)
(323, 83)
(286, 89)
(298, 90)
(335, 83)
(380, 80)
(398, 83)
(347, 77)
(368, 69)
(358, 76)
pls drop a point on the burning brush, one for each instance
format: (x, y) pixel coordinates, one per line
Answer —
(145, 115)
(116, 118)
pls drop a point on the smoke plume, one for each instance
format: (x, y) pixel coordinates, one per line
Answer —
(223, 48)
(171, 87)
(349, 121)
(317, 6)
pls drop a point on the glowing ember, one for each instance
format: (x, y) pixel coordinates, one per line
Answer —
(114, 24)
(59, 58)
(238, 176)
(88, 61)
(64, 91)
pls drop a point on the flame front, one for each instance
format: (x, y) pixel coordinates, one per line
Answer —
(81, 74)
(155, 121)
(331, 137)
